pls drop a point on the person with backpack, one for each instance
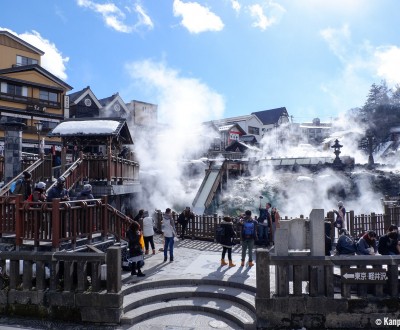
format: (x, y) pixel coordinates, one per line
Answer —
(248, 236)
(226, 240)
(345, 243)
(23, 186)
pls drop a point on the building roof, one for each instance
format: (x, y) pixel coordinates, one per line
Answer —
(84, 127)
(75, 98)
(39, 69)
(19, 40)
(271, 116)
(227, 128)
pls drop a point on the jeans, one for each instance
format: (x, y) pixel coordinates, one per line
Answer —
(262, 233)
(169, 243)
(247, 244)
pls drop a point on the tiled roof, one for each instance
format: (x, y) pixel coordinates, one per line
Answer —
(271, 116)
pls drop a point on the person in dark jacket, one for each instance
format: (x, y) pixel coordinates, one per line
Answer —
(184, 219)
(389, 243)
(345, 244)
(227, 241)
(86, 192)
(58, 191)
(135, 249)
(366, 245)
(24, 186)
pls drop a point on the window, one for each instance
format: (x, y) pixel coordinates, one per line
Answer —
(48, 96)
(17, 90)
(254, 130)
(22, 60)
(49, 124)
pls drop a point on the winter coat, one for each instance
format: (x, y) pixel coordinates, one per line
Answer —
(86, 195)
(168, 226)
(387, 246)
(227, 239)
(364, 247)
(135, 249)
(148, 226)
(57, 192)
(345, 245)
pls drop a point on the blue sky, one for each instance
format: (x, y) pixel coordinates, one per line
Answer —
(220, 58)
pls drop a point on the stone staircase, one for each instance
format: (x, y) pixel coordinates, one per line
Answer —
(228, 300)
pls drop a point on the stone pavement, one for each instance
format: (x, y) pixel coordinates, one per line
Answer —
(192, 259)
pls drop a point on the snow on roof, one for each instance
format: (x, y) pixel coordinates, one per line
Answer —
(86, 127)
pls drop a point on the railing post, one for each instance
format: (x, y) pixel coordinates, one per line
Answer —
(351, 227)
(113, 261)
(19, 218)
(104, 201)
(263, 274)
(55, 224)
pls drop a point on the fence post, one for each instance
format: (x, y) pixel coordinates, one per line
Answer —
(263, 274)
(351, 227)
(373, 221)
(104, 201)
(113, 261)
(18, 222)
(55, 224)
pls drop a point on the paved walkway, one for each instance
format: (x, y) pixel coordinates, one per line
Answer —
(192, 259)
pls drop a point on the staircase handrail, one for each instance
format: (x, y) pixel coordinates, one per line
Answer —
(6, 188)
(67, 173)
(215, 185)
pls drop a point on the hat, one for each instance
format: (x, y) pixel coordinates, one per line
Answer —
(187, 207)
(87, 187)
(61, 179)
(41, 185)
(340, 203)
(27, 175)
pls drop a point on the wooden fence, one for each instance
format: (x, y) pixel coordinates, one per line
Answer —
(59, 222)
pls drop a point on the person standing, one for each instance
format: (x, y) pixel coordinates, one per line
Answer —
(148, 232)
(340, 216)
(169, 232)
(135, 249)
(24, 186)
(275, 223)
(184, 219)
(227, 241)
(264, 221)
(248, 236)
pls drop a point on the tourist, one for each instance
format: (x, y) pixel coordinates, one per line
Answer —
(275, 223)
(227, 240)
(135, 249)
(58, 191)
(389, 243)
(184, 219)
(248, 236)
(139, 218)
(264, 221)
(148, 232)
(86, 192)
(345, 243)
(340, 216)
(39, 193)
(366, 245)
(169, 232)
(23, 186)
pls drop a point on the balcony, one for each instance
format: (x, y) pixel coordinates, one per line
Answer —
(42, 104)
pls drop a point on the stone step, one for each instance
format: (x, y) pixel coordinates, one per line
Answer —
(237, 313)
(151, 284)
(165, 293)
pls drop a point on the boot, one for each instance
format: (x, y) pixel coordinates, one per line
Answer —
(223, 262)
(165, 259)
(251, 263)
(242, 263)
(147, 252)
(133, 269)
(231, 264)
(140, 274)
(154, 251)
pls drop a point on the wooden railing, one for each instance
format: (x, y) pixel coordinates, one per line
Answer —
(59, 222)
(313, 271)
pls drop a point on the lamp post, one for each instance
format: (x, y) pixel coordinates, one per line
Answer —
(39, 126)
